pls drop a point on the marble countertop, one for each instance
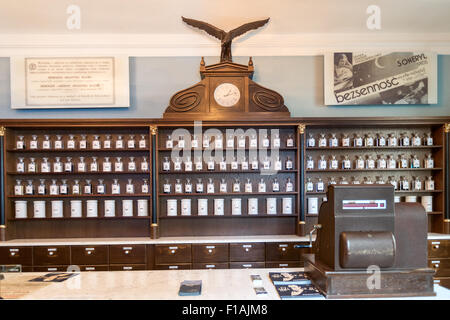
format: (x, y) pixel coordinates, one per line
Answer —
(227, 284)
(172, 240)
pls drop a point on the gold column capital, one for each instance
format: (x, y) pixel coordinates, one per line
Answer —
(153, 130)
(447, 220)
(301, 128)
(2, 131)
(301, 222)
(154, 225)
(2, 226)
(447, 127)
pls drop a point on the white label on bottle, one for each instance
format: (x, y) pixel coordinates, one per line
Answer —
(223, 187)
(75, 189)
(19, 145)
(83, 144)
(416, 163)
(169, 144)
(236, 187)
(322, 142)
(115, 189)
(290, 142)
(429, 185)
(100, 189)
(309, 164)
(205, 142)
(131, 166)
(277, 165)
(144, 188)
(266, 165)
(87, 189)
(107, 144)
(382, 164)
(188, 166)
(166, 166)
(275, 186)
(81, 167)
(57, 167)
(430, 163)
(276, 142)
(210, 165)
(29, 189)
(253, 143)
(210, 188)
(33, 144)
(198, 165)
(218, 144)
(223, 166)
(18, 190)
(144, 166)
(248, 187)
(106, 166)
(261, 187)
(265, 143)
(119, 144)
(309, 187)
(178, 188)
(320, 186)
(199, 187)
(369, 142)
(241, 143)
(322, 164)
(131, 144)
(370, 164)
(194, 143)
(406, 141)
(96, 144)
(311, 142)
(142, 144)
(58, 144)
(130, 188)
(255, 165)
(347, 164)
(20, 167)
(94, 166)
(45, 167)
(118, 166)
(429, 141)
(230, 143)
(334, 142)
(181, 144)
(289, 187)
(334, 164)
(188, 188)
(166, 188)
(244, 165)
(41, 190)
(53, 190)
(63, 189)
(177, 166)
(346, 142)
(358, 142)
(234, 165)
(32, 167)
(416, 141)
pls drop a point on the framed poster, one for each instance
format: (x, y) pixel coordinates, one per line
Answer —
(355, 78)
(69, 82)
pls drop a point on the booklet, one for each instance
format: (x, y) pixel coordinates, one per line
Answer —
(54, 277)
(190, 288)
(289, 278)
(297, 291)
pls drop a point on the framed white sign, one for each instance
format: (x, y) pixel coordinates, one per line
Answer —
(69, 82)
(363, 78)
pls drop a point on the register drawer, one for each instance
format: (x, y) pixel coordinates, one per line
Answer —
(210, 252)
(16, 255)
(175, 266)
(51, 256)
(127, 254)
(283, 251)
(172, 254)
(246, 265)
(210, 265)
(127, 267)
(247, 252)
(439, 248)
(89, 255)
(441, 266)
(284, 264)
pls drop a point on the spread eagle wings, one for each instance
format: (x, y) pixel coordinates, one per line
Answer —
(221, 34)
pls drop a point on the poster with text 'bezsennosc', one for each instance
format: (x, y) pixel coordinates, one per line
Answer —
(69, 82)
(401, 78)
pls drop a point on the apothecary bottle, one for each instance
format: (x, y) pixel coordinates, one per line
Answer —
(177, 164)
(195, 142)
(415, 162)
(63, 188)
(417, 184)
(429, 161)
(131, 164)
(166, 164)
(32, 165)
(359, 162)
(379, 180)
(71, 142)
(289, 185)
(129, 187)
(118, 165)
(266, 163)
(167, 186)
(222, 164)
(391, 163)
(145, 186)
(101, 189)
(275, 185)
(81, 165)
(68, 165)
(429, 183)
(142, 142)
(428, 139)
(188, 164)
(234, 164)
(169, 142)
(392, 140)
(277, 164)
(343, 180)
(381, 162)
(416, 140)
(334, 164)
(244, 164)
(218, 142)
(358, 141)
(188, 186)
(320, 186)
(87, 187)
(230, 141)
(45, 165)
(368, 140)
(178, 186)
(57, 165)
(310, 142)
(368, 180)
(106, 165)
(198, 164)
(42, 189)
(248, 187)
(144, 164)
(289, 141)
(345, 140)
(309, 163)
(223, 185)
(107, 142)
(404, 140)
(18, 188)
(83, 142)
(265, 141)
(332, 181)
(276, 142)
(20, 143)
(76, 187)
(333, 141)
(322, 163)
(119, 142)
(322, 140)
(253, 141)
(309, 185)
(54, 189)
(96, 143)
(131, 143)
(393, 182)
(34, 142)
(381, 140)
(355, 180)
(210, 186)
(402, 162)
(262, 186)
(94, 165)
(236, 185)
(370, 162)
(199, 186)
(47, 143)
(403, 184)
(59, 144)
(255, 163)
(211, 164)
(115, 187)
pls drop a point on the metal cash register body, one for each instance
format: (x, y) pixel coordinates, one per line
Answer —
(360, 227)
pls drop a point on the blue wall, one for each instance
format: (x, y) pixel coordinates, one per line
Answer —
(299, 79)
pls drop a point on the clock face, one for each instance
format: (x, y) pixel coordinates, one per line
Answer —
(227, 94)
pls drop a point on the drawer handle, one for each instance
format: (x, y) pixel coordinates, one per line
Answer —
(173, 251)
(89, 252)
(247, 249)
(283, 249)
(127, 252)
(210, 250)
(436, 265)
(12, 254)
(50, 253)
(436, 246)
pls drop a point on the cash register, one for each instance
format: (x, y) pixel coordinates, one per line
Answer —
(368, 246)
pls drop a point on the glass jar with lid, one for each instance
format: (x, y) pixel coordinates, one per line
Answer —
(20, 165)
(322, 163)
(310, 142)
(345, 140)
(429, 183)
(333, 141)
(20, 143)
(429, 161)
(59, 143)
(31, 165)
(357, 141)
(322, 140)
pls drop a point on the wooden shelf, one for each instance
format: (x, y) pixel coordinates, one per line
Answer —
(370, 170)
(397, 191)
(82, 196)
(374, 147)
(229, 216)
(233, 149)
(81, 219)
(225, 194)
(76, 173)
(75, 150)
(226, 171)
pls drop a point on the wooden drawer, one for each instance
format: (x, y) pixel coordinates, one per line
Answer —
(247, 252)
(94, 268)
(246, 265)
(439, 249)
(179, 266)
(284, 264)
(441, 266)
(127, 254)
(210, 253)
(16, 255)
(172, 254)
(89, 255)
(283, 251)
(51, 256)
(50, 269)
(127, 267)
(210, 265)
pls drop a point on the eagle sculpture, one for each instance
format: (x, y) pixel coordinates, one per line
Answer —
(225, 37)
